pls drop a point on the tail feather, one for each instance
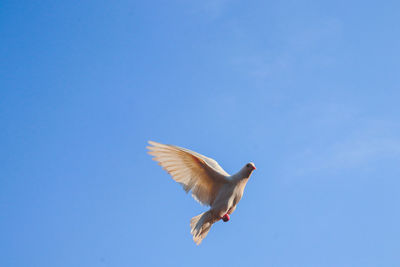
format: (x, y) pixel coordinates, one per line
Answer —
(201, 225)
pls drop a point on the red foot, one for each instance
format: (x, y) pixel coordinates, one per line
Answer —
(226, 217)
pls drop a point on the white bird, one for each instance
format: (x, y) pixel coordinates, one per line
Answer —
(209, 183)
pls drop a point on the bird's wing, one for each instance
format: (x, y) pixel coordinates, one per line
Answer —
(195, 172)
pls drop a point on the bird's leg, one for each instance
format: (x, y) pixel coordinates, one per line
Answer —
(226, 217)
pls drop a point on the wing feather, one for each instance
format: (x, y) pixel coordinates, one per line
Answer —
(195, 172)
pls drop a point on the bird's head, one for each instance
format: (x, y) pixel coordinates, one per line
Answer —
(248, 169)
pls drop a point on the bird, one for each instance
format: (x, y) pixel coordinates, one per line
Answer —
(208, 182)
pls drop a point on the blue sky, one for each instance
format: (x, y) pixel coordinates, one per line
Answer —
(307, 90)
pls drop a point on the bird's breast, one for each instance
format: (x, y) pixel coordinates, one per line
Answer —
(228, 197)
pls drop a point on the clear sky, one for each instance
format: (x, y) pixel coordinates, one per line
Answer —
(307, 90)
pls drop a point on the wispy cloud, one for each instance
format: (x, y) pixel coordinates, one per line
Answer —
(351, 153)
(299, 46)
(212, 8)
(357, 144)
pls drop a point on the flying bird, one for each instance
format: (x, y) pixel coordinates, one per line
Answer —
(209, 183)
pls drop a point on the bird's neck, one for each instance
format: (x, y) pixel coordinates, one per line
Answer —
(242, 176)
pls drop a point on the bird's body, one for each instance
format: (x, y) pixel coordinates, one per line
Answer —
(209, 183)
(229, 196)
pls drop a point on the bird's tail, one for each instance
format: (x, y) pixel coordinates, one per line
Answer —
(200, 225)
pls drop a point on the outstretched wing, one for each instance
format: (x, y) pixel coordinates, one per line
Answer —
(195, 172)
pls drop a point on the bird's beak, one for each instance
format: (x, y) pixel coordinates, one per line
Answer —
(254, 167)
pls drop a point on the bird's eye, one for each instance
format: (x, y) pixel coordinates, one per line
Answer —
(248, 165)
